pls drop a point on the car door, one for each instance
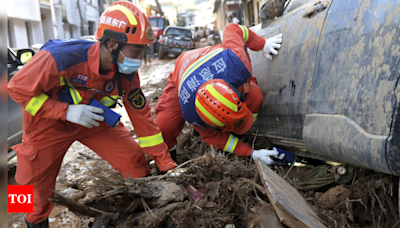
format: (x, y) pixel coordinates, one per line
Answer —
(286, 80)
(353, 106)
(14, 110)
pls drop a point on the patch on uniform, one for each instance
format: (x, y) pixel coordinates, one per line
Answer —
(79, 78)
(109, 86)
(136, 98)
(149, 33)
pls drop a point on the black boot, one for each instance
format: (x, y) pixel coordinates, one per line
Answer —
(42, 224)
(173, 156)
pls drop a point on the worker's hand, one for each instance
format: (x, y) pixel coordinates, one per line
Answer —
(84, 115)
(271, 46)
(265, 156)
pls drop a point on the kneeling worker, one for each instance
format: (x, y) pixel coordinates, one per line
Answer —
(57, 84)
(213, 89)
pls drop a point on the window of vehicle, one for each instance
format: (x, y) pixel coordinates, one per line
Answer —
(156, 23)
(179, 32)
(11, 57)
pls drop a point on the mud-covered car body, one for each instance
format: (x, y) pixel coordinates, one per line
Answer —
(175, 40)
(333, 91)
(14, 110)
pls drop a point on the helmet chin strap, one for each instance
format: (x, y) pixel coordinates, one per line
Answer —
(114, 56)
(114, 67)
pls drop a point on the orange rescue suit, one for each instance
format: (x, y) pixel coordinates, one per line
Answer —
(41, 87)
(168, 110)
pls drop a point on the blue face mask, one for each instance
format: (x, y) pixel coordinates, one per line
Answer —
(129, 65)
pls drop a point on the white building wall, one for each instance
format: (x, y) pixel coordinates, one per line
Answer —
(19, 33)
(72, 12)
(24, 9)
(47, 23)
(92, 15)
(26, 26)
(60, 29)
(36, 30)
(66, 31)
(48, 28)
(25, 21)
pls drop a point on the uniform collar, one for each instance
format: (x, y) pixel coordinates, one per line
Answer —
(94, 61)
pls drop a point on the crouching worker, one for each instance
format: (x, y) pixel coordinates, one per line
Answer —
(55, 88)
(213, 89)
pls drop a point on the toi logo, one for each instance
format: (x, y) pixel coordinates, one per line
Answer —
(20, 198)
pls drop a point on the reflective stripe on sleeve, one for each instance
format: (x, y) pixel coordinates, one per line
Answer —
(108, 101)
(35, 103)
(230, 145)
(76, 97)
(245, 31)
(150, 141)
(255, 116)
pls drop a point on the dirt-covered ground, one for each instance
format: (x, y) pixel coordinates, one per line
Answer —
(216, 190)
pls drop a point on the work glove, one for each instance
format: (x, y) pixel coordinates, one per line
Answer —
(84, 115)
(266, 156)
(271, 46)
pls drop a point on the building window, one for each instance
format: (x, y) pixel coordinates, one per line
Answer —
(91, 27)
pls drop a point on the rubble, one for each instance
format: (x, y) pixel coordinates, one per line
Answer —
(218, 189)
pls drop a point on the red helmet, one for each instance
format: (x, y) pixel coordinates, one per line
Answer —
(124, 22)
(221, 106)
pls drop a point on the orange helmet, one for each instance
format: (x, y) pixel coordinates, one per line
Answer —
(221, 106)
(124, 22)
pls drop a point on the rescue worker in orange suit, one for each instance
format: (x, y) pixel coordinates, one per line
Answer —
(54, 89)
(213, 89)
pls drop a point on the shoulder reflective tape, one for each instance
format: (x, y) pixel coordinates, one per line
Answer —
(245, 32)
(76, 97)
(208, 115)
(150, 141)
(221, 98)
(230, 145)
(108, 101)
(35, 103)
(197, 64)
(126, 11)
(255, 116)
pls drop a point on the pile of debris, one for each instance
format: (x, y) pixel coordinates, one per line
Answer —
(215, 190)
(222, 190)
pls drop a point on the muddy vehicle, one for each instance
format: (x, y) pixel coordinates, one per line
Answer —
(14, 110)
(175, 40)
(158, 24)
(333, 91)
